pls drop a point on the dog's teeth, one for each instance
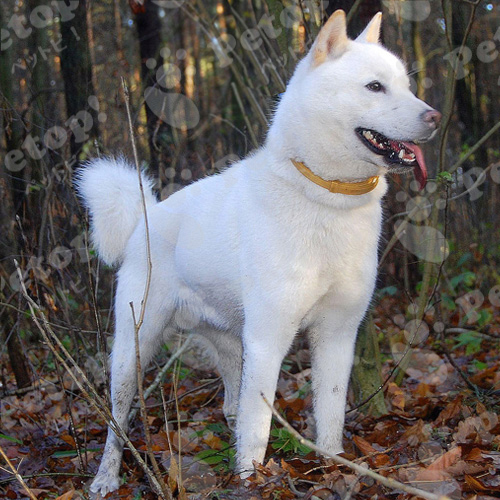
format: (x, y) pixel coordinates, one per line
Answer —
(401, 154)
(368, 135)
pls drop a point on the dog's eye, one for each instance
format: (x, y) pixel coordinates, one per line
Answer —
(375, 86)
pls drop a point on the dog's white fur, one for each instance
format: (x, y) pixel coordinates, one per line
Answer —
(258, 253)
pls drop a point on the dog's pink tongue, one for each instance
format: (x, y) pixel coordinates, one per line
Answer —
(420, 170)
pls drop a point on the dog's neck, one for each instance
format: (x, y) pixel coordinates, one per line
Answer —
(336, 186)
(272, 166)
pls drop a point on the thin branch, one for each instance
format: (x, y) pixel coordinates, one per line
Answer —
(360, 469)
(453, 79)
(18, 476)
(474, 148)
(47, 474)
(158, 379)
(483, 335)
(184, 394)
(35, 386)
(352, 11)
(245, 117)
(164, 489)
(144, 415)
(144, 209)
(477, 182)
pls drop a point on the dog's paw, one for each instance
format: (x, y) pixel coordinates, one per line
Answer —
(245, 473)
(103, 484)
(327, 460)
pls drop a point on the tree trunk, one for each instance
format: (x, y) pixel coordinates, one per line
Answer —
(468, 108)
(147, 21)
(360, 18)
(40, 74)
(9, 248)
(76, 68)
(366, 378)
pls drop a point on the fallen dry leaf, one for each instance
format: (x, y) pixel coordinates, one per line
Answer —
(66, 496)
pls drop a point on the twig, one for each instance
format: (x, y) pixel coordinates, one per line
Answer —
(479, 391)
(18, 476)
(72, 427)
(36, 386)
(93, 295)
(47, 474)
(166, 493)
(164, 490)
(474, 148)
(351, 488)
(477, 182)
(165, 415)
(362, 471)
(179, 435)
(483, 335)
(474, 388)
(184, 394)
(452, 78)
(293, 489)
(156, 382)
(245, 117)
(144, 209)
(352, 11)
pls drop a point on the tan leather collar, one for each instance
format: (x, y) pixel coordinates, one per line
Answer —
(356, 188)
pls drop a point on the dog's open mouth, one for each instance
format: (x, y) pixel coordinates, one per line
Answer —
(399, 155)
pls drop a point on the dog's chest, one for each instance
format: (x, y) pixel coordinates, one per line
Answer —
(335, 261)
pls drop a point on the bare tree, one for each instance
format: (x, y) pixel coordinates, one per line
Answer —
(76, 68)
(11, 194)
(148, 23)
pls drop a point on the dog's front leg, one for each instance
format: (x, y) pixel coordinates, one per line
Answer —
(265, 344)
(332, 343)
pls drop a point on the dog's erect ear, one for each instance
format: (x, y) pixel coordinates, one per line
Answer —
(332, 39)
(371, 34)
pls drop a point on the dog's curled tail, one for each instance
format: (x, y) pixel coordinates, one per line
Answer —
(110, 190)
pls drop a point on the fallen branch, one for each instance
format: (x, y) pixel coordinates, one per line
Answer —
(362, 471)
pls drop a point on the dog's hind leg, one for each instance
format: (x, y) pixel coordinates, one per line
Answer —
(123, 362)
(229, 363)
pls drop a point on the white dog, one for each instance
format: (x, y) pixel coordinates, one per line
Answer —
(283, 241)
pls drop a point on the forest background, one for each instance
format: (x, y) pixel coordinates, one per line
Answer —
(202, 79)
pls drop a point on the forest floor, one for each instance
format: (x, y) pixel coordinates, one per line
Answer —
(441, 433)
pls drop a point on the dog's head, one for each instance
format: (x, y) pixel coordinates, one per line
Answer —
(349, 108)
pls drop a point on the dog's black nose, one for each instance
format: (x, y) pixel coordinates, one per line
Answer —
(433, 118)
